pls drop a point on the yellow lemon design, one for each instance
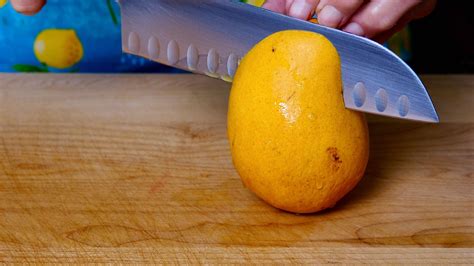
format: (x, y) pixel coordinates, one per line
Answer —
(58, 48)
(3, 3)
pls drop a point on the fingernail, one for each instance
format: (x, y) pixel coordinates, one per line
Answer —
(330, 16)
(354, 28)
(300, 9)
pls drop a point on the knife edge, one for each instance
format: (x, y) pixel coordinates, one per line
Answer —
(200, 36)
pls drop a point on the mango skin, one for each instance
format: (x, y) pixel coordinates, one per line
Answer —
(293, 142)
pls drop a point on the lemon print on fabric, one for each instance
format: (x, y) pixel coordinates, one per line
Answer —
(254, 2)
(3, 3)
(58, 48)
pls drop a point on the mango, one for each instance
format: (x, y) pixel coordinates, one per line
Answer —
(293, 142)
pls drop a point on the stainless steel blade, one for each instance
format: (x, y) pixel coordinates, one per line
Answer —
(211, 36)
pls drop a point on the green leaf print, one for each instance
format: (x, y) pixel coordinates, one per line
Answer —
(112, 12)
(30, 68)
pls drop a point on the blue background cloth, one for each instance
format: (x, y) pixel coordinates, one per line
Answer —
(93, 22)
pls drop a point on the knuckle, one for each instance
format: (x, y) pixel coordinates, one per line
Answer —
(378, 22)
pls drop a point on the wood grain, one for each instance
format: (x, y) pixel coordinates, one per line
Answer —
(136, 168)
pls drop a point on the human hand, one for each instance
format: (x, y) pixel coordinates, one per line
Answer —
(375, 19)
(28, 7)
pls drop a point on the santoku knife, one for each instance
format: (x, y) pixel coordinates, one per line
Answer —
(211, 36)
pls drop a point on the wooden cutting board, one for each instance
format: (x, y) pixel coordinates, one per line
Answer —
(136, 168)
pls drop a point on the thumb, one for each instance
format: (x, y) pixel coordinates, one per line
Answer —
(28, 7)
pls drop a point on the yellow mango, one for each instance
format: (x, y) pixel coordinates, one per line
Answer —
(293, 142)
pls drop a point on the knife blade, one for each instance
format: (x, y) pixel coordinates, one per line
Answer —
(211, 36)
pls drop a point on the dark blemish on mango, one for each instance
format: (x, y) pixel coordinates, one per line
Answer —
(273, 49)
(275, 149)
(335, 158)
(334, 154)
(291, 96)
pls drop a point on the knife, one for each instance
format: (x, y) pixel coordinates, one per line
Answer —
(211, 36)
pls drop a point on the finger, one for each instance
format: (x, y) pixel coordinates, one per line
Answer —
(28, 7)
(335, 13)
(378, 16)
(280, 6)
(303, 9)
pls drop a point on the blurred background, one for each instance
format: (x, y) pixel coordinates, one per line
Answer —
(443, 42)
(84, 36)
